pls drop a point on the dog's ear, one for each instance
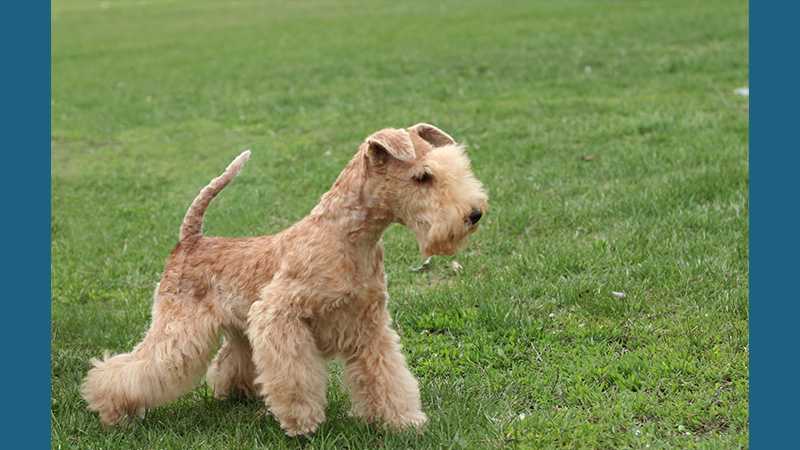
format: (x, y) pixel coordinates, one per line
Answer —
(432, 135)
(389, 143)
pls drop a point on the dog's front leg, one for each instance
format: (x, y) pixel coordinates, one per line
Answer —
(382, 389)
(291, 373)
(231, 374)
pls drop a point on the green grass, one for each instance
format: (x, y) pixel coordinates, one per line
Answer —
(607, 133)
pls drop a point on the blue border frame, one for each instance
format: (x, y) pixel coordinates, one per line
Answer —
(773, 232)
(26, 298)
(773, 240)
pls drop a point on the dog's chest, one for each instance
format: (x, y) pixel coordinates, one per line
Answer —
(343, 328)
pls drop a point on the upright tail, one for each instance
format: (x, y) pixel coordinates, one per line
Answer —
(193, 221)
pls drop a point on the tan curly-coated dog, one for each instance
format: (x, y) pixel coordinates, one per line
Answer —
(286, 303)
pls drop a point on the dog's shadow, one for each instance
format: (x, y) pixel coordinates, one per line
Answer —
(226, 422)
(240, 423)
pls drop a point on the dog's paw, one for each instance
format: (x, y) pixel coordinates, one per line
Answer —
(396, 421)
(416, 419)
(300, 427)
(302, 424)
(124, 417)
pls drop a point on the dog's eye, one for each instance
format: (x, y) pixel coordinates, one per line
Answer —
(424, 177)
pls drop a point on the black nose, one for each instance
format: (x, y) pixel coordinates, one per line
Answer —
(475, 216)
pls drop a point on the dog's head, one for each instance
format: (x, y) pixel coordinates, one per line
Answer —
(421, 178)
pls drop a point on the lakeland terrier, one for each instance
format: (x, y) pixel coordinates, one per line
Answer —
(287, 303)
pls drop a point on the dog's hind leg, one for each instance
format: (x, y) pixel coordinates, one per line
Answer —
(231, 374)
(169, 362)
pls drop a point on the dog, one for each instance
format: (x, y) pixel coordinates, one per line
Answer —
(286, 303)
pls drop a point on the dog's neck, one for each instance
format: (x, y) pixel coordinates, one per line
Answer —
(347, 209)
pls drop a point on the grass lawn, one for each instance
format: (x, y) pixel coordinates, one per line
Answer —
(602, 304)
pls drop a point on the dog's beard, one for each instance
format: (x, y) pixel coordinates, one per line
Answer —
(444, 238)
